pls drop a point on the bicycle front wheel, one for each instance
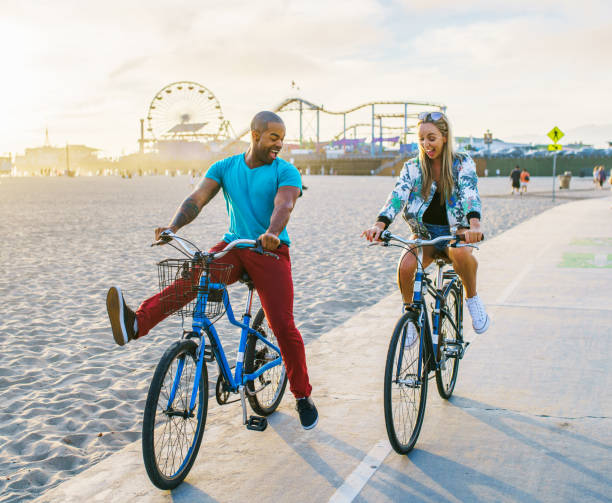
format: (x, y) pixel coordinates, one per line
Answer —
(266, 392)
(171, 431)
(405, 392)
(448, 345)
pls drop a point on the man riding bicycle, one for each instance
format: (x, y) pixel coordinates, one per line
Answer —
(260, 191)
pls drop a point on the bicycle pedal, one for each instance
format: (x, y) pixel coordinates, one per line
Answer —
(209, 356)
(451, 352)
(257, 423)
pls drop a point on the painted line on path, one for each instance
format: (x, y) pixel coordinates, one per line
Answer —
(359, 477)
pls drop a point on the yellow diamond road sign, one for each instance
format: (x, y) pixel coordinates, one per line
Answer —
(554, 146)
(555, 134)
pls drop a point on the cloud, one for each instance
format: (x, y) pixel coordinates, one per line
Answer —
(522, 72)
(90, 70)
(128, 66)
(479, 8)
(117, 55)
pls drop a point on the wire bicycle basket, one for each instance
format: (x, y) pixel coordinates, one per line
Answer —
(180, 282)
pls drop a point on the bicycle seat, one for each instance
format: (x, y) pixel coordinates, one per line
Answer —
(441, 258)
(246, 279)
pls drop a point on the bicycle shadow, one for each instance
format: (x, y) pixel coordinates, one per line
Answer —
(187, 493)
(448, 476)
(528, 436)
(304, 445)
(452, 482)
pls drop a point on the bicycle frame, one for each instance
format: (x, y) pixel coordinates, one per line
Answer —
(423, 285)
(201, 324)
(440, 294)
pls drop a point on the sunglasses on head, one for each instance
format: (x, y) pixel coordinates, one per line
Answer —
(430, 116)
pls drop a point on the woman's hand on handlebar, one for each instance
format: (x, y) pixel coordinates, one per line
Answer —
(374, 232)
(473, 234)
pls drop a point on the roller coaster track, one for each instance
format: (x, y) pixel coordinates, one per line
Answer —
(288, 104)
(399, 129)
(283, 106)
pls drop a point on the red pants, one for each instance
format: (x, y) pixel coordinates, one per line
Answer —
(274, 284)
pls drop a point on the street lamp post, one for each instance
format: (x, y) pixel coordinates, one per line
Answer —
(488, 139)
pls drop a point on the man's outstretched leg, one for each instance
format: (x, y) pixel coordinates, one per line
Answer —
(128, 325)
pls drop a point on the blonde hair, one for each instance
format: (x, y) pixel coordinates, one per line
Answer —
(448, 153)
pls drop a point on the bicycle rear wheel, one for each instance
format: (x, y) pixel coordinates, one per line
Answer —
(171, 433)
(405, 393)
(266, 392)
(448, 345)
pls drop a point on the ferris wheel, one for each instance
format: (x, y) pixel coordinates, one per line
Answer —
(186, 111)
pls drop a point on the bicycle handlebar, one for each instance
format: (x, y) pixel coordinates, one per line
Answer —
(167, 236)
(386, 236)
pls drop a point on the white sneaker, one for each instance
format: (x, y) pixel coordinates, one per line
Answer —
(411, 335)
(480, 318)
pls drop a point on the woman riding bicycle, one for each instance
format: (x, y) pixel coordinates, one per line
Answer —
(438, 191)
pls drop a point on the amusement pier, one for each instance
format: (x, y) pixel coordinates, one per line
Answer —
(184, 130)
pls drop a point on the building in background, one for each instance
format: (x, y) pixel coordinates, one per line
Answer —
(6, 166)
(54, 161)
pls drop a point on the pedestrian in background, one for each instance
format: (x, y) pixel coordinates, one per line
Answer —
(515, 177)
(601, 176)
(524, 180)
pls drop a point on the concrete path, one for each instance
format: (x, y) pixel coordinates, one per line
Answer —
(530, 419)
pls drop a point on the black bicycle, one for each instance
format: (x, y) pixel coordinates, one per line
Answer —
(418, 347)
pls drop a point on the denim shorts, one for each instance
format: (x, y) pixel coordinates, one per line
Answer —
(439, 230)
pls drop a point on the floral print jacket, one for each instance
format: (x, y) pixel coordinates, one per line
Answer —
(463, 203)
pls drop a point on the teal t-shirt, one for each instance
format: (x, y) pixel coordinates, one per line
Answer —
(249, 194)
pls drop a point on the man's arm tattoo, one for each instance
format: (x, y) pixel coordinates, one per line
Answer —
(186, 213)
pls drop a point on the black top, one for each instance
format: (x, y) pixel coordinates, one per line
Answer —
(436, 212)
(515, 175)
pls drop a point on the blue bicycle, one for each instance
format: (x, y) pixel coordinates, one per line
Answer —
(418, 348)
(177, 402)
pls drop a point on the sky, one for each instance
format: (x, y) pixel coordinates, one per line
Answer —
(88, 71)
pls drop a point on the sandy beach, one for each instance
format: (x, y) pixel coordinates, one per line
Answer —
(70, 396)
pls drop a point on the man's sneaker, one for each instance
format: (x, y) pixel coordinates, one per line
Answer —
(121, 317)
(480, 318)
(308, 412)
